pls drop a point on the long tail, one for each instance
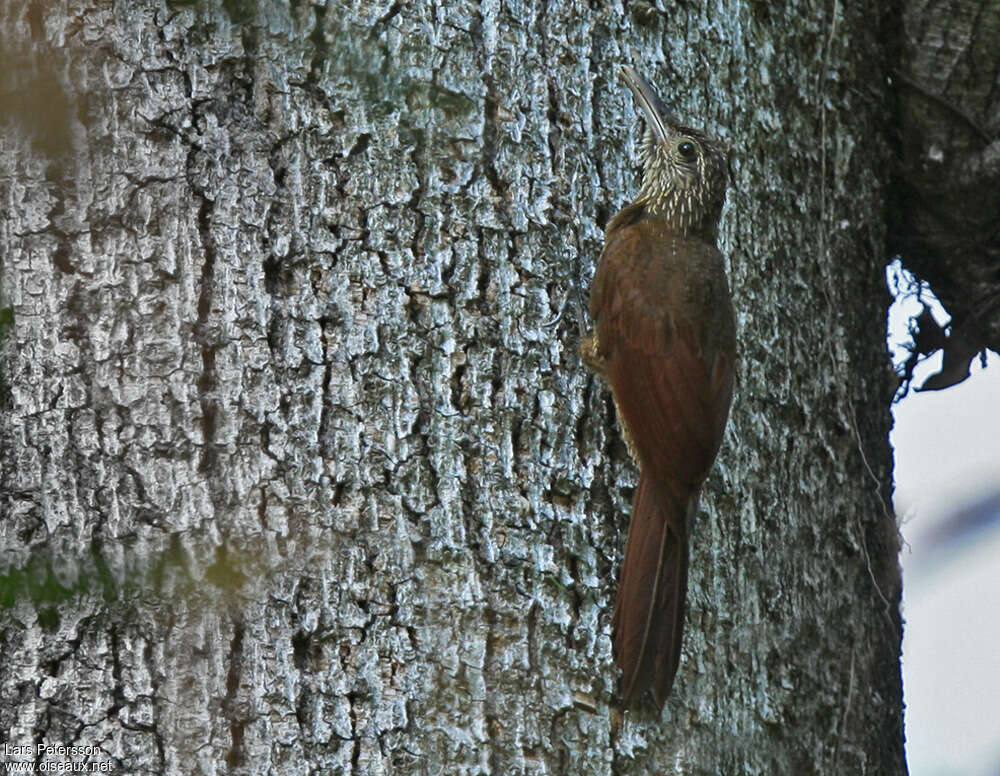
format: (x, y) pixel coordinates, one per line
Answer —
(648, 621)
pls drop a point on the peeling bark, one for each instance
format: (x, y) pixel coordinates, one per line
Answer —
(301, 470)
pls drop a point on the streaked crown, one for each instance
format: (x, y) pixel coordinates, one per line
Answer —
(684, 170)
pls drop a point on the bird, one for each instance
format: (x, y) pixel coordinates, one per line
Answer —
(664, 340)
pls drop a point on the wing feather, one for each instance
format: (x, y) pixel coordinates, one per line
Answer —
(672, 380)
(672, 396)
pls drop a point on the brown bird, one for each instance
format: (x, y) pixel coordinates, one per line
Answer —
(665, 341)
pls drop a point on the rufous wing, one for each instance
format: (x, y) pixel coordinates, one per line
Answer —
(672, 381)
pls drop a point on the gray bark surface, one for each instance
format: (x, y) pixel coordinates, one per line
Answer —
(301, 470)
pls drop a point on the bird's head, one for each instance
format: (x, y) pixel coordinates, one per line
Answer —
(684, 170)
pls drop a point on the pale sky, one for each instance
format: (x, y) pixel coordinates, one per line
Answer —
(947, 449)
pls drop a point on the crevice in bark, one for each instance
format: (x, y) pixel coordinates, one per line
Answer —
(236, 755)
(207, 378)
(491, 136)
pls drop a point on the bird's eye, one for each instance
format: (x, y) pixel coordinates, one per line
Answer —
(687, 150)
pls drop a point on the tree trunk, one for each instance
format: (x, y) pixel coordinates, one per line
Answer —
(945, 192)
(301, 470)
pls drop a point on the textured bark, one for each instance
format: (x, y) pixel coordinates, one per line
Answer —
(301, 469)
(945, 195)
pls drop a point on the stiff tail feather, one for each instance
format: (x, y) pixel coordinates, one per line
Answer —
(649, 611)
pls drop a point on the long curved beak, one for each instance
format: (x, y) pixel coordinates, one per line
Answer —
(658, 115)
